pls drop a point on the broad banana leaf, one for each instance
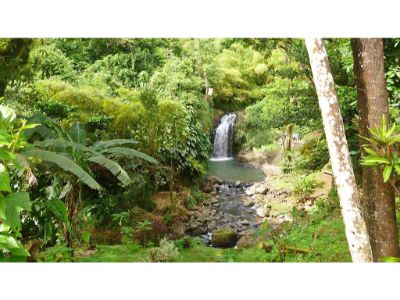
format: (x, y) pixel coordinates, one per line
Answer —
(64, 163)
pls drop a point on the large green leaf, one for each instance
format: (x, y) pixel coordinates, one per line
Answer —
(14, 203)
(112, 143)
(4, 179)
(113, 167)
(62, 144)
(6, 155)
(11, 244)
(66, 164)
(130, 153)
(78, 133)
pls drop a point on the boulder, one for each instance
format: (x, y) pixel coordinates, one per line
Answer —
(248, 201)
(200, 231)
(214, 179)
(224, 238)
(257, 188)
(263, 211)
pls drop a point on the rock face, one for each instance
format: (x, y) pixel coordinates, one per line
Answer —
(224, 238)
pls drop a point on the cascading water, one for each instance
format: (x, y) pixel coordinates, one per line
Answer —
(223, 140)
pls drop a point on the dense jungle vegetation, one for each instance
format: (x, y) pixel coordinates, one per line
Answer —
(105, 143)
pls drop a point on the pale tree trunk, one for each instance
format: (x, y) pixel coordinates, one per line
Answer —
(377, 197)
(356, 230)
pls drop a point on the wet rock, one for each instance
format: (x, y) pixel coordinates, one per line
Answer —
(212, 226)
(200, 231)
(193, 226)
(224, 238)
(248, 201)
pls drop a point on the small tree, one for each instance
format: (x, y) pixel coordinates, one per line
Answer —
(173, 126)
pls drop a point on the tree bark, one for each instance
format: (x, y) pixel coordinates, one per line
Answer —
(372, 101)
(356, 231)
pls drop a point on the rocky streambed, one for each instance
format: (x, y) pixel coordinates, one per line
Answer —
(233, 211)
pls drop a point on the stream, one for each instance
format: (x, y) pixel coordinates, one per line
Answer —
(225, 208)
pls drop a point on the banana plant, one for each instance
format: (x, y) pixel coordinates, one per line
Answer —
(70, 153)
(383, 150)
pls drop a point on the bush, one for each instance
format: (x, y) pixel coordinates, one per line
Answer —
(313, 154)
(304, 186)
(166, 252)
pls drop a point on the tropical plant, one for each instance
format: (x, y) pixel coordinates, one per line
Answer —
(383, 151)
(68, 150)
(12, 198)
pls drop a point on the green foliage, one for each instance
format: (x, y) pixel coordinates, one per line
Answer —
(314, 154)
(382, 152)
(304, 186)
(11, 202)
(57, 253)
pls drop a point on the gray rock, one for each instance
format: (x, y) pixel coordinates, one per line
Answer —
(257, 188)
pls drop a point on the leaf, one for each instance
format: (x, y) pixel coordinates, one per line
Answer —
(6, 155)
(387, 172)
(370, 151)
(113, 167)
(4, 179)
(78, 133)
(66, 164)
(12, 245)
(131, 153)
(397, 168)
(111, 143)
(375, 161)
(14, 203)
(2, 208)
(59, 209)
(67, 188)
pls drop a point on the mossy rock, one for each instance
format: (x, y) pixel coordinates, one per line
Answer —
(224, 238)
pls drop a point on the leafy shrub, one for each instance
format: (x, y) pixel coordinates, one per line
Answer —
(313, 154)
(184, 243)
(57, 253)
(166, 252)
(195, 197)
(304, 186)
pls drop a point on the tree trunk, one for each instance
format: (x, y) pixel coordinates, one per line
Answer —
(171, 184)
(289, 142)
(372, 100)
(356, 231)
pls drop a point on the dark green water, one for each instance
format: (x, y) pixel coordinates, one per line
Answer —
(231, 170)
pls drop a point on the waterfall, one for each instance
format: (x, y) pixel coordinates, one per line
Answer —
(223, 139)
